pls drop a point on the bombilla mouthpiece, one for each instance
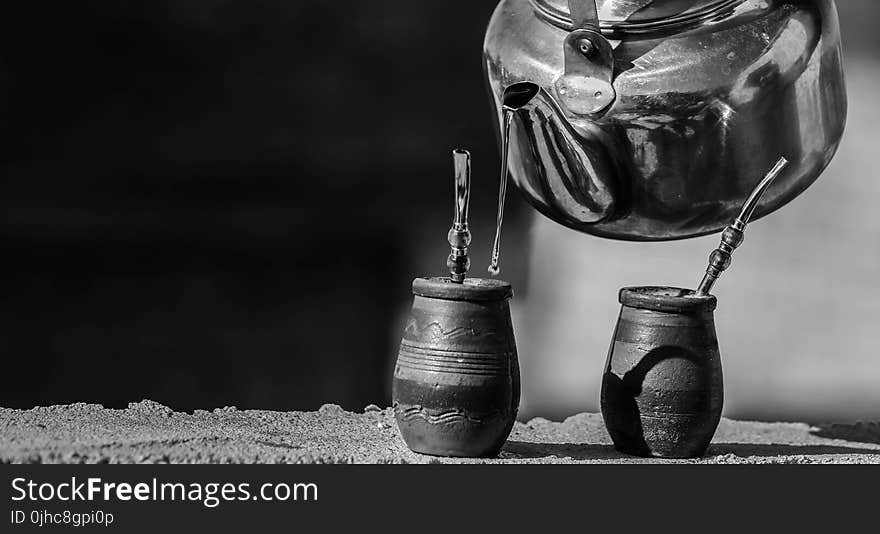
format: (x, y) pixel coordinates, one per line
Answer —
(462, 162)
(734, 234)
(752, 202)
(459, 236)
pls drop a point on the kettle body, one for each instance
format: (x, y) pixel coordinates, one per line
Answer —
(651, 120)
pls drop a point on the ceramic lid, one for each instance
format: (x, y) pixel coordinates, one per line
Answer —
(667, 299)
(473, 289)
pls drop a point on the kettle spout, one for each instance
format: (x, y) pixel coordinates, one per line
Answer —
(563, 165)
(519, 95)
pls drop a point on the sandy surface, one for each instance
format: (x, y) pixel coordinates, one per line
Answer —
(147, 432)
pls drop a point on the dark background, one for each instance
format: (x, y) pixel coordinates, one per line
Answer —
(223, 203)
(211, 203)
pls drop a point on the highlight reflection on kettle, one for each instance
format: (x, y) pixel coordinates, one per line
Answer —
(650, 123)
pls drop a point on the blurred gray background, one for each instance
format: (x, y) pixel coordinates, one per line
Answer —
(217, 203)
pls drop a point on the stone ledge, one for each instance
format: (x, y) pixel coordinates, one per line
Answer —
(148, 432)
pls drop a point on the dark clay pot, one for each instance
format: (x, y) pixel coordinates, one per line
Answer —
(456, 382)
(662, 390)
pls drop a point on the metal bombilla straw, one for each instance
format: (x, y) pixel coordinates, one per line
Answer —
(733, 235)
(459, 235)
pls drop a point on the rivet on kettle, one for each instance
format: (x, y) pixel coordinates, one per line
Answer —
(586, 47)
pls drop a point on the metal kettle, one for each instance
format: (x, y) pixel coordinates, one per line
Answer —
(648, 120)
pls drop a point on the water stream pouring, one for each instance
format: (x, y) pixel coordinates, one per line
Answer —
(515, 97)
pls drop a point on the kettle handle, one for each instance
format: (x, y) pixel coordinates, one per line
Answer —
(585, 87)
(584, 14)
